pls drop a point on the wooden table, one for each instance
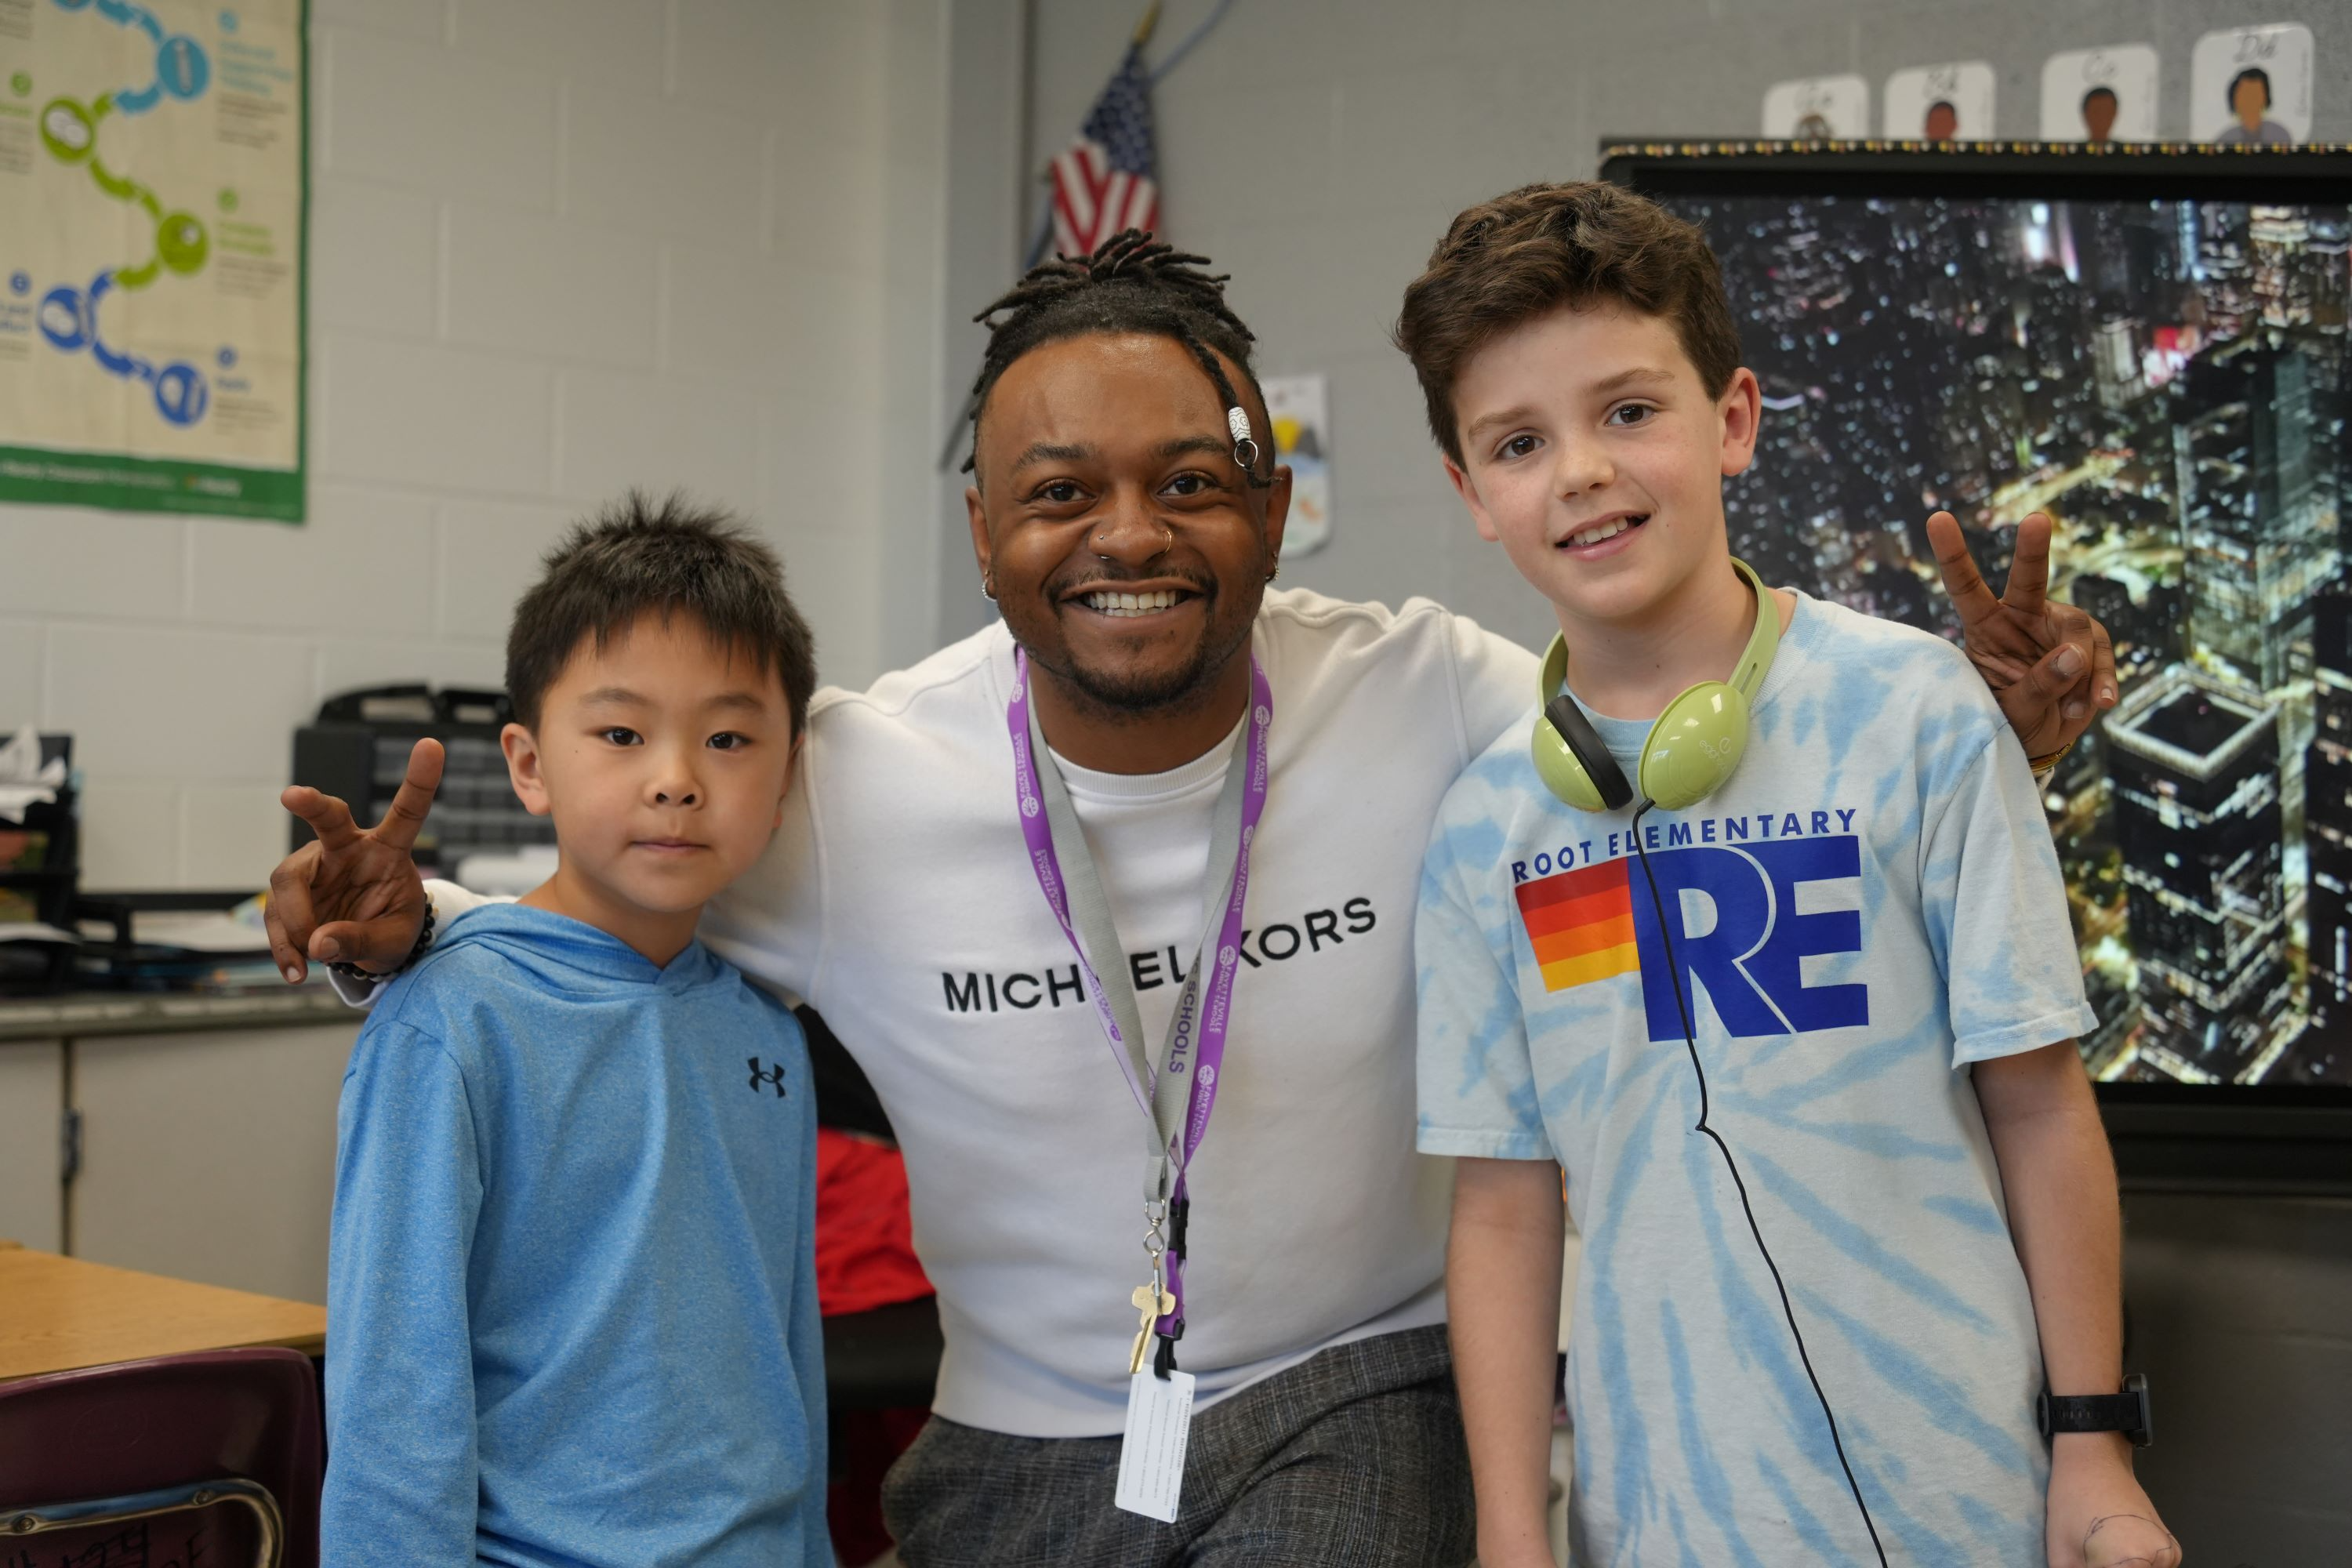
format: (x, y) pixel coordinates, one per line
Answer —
(58, 1313)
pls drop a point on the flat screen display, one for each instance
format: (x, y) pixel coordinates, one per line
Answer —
(2167, 374)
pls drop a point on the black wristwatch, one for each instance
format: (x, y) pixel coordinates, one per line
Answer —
(2127, 1413)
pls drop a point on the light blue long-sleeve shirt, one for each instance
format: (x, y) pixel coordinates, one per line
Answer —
(572, 1313)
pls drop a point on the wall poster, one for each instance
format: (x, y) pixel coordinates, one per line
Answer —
(153, 186)
(1949, 102)
(2251, 87)
(1817, 109)
(1298, 406)
(2100, 96)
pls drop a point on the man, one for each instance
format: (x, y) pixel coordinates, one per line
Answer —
(1127, 517)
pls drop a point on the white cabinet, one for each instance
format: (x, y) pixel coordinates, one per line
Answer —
(32, 1105)
(210, 1155)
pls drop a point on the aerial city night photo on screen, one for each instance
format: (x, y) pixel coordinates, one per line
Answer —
(2169, 380)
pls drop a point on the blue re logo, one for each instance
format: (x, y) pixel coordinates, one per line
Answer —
(1749, 960)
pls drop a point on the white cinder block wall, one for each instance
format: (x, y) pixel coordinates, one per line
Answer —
(558, 248)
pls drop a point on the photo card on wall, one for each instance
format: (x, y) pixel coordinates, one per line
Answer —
(1818, 109)
(2251, 86)
(1947, 103)
(2101, 95)
(1299, 407)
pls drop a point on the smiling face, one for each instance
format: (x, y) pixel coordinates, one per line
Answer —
(662, 757)
(1592, 450)
(1127, 550)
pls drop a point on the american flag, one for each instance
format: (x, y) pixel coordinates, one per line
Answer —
(1107, 180)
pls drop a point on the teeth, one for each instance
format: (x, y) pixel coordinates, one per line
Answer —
(1606, 530)
(1131, 604)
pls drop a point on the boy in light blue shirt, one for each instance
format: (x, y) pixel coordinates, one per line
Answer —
(1753, 927)
(573, 1314)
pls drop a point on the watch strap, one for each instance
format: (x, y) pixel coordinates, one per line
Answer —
(2126, 1412)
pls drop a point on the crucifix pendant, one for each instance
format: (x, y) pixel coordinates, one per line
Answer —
(1155, 1304)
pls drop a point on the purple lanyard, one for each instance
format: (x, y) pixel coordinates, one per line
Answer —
(1041, 800)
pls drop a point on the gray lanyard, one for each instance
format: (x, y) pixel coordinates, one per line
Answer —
(1106, 959)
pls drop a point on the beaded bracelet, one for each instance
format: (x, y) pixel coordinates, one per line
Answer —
(423, 941)
(2044, 766)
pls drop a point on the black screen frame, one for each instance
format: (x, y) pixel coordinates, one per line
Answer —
(2266, 1139)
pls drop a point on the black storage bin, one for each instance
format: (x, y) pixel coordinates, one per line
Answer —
(48, 884)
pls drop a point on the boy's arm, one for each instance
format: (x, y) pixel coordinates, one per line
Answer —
(402, 1472)
(1502, 1292)
(1479, 1103)
(1996, 908)
(2063, 1213)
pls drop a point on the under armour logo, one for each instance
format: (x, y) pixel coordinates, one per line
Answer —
(774, 1075)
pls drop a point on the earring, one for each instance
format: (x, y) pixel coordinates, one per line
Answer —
(988, 587)
(1274, 571)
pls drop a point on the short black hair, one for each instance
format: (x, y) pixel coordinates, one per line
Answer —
(1128, 283)
(638, 557)
(2251, 73)
(2103, 91)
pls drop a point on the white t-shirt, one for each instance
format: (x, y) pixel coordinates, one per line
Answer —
(1871, 904)
(899, 900)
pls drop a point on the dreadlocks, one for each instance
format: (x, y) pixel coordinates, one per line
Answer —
(1132, 283)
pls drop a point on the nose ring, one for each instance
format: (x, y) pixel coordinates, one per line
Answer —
(1094, 543)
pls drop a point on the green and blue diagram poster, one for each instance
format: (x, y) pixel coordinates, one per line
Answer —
(151, 186)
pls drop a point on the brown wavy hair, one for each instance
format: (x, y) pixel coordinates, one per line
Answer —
(1540, 247)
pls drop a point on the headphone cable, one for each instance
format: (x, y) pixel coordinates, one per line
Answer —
(1690, 1038)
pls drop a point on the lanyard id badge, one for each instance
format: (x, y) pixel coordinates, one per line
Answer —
(1177, 1112)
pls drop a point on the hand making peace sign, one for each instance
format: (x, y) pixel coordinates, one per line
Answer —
(366, 879)
(2050, 666)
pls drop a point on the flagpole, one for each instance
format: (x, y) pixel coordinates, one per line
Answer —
(1176, 55)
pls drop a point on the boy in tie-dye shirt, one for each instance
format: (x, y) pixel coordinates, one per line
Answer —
(1804, 1046)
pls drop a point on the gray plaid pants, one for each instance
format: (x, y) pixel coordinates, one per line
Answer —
(1354, 1457)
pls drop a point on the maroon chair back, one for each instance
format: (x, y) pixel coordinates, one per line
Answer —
(144, 1427)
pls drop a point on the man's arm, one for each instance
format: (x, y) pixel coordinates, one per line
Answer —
(2060, 1181)
(402, 1472)
(1502, 1292)
(448, 900)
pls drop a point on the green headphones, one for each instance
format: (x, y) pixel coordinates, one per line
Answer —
(1689, 752)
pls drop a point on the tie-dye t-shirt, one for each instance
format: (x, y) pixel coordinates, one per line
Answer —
(1871, 904)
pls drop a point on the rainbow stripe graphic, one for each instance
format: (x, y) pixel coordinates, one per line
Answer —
(1581, 923)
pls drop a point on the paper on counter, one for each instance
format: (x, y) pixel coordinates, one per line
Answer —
(23, 780)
